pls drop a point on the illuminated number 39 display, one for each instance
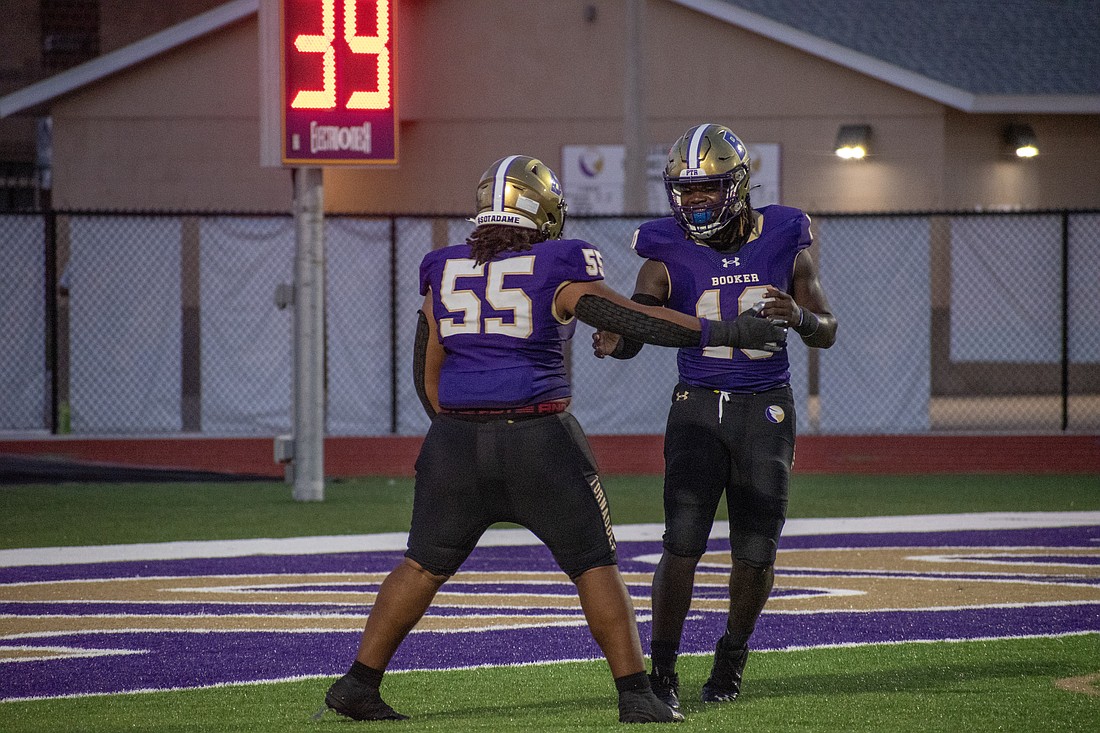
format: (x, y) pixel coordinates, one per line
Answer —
(323, 44)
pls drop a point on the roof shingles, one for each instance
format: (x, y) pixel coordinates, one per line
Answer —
(1010, 47)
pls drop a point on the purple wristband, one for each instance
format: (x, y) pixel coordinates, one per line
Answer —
(704, 328)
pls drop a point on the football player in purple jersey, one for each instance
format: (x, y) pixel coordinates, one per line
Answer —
(489, 368)
(731, 425)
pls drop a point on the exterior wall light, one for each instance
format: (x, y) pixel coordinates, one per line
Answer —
(853, 141)
(1021, 141)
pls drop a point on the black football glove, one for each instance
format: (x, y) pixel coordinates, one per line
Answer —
(749, 331)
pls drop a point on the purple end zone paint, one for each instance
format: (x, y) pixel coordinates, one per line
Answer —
(195, 654)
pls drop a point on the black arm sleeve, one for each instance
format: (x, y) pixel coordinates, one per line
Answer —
(608, 316)
(420, 356)
(628, 348)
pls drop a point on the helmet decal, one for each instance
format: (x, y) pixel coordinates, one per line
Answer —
(735, 143)
(529, 205)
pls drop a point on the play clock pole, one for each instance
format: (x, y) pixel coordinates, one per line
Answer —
(308, 448)
(327, 71)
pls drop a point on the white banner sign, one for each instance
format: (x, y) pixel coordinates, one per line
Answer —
(592, 176)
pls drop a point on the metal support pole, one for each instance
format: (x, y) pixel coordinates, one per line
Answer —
(394, 351)
(1065, 321)
(309, 343)
(53, 359)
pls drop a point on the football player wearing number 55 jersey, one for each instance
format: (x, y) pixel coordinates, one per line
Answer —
(489, 368)
(731, 425)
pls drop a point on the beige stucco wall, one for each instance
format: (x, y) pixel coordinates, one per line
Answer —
(480, 79)
(180, 132)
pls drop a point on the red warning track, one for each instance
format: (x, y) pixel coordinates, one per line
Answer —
(616, 454)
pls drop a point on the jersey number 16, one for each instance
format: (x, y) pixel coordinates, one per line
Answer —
(709, 306)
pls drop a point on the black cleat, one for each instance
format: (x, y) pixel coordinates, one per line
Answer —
(666, 688)
(642, 706)
(353, 699)
(724, 684)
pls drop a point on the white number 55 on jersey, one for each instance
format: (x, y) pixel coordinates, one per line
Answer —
(593, 261)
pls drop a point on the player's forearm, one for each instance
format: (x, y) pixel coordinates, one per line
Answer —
(420, 359)
(816, 329)
(635, 325)
(664, 327)
(628, 348)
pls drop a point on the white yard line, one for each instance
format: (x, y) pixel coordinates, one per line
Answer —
(511, 537)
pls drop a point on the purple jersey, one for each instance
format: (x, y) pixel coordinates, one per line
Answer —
(715, 285)
(503, 342)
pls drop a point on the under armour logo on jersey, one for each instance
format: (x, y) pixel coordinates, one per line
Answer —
(680, 396)
(735, 262)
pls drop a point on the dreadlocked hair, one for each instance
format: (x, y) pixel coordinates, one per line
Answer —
(489, 240)
(736, 233)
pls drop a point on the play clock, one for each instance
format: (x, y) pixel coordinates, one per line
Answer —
(332, 87)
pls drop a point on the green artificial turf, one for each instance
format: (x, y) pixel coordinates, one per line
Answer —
(1005, 685)
(49, 515)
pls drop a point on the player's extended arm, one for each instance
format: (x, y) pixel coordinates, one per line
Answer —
(650, 288)
(626, 347)
(427, 359)
(600, 306)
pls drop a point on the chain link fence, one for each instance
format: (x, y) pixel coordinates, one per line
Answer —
(169, 323)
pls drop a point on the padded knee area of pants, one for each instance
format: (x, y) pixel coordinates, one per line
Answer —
(756, 551)
(685, 551)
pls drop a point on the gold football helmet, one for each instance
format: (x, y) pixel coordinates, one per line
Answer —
(707, 157)
(521, 191)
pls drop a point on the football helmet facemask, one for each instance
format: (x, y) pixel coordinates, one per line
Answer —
(708, 158)
(521, 191)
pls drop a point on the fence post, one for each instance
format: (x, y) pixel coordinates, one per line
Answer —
(393, 326)
(1065, 320)
(49, 226)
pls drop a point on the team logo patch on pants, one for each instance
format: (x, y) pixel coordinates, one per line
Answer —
(775, 414)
